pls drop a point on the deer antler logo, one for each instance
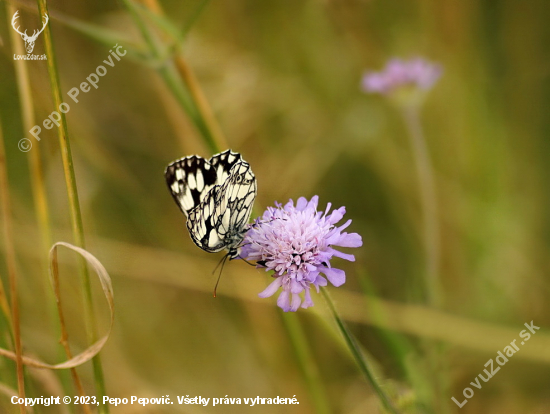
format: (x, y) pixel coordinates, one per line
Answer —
(29, 40)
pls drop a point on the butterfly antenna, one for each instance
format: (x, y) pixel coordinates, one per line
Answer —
(242, 258)
(219, 263)
(222, 263)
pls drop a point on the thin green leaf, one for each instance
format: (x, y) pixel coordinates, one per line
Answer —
(194, 17)
(358, 355)
(160, 22)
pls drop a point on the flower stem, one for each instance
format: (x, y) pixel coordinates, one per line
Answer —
(74, 205)
(351, 342)
(426, 184)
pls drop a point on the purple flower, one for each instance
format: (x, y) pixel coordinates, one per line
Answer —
(418, 73)
(296, 242)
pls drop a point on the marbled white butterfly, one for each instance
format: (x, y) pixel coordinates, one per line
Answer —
(217, 196)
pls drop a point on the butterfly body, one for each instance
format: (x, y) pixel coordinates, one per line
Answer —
(217, 196)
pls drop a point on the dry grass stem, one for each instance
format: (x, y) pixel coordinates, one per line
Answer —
(106, 285)
(12, 268)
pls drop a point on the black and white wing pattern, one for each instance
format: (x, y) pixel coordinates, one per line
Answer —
(217, 196)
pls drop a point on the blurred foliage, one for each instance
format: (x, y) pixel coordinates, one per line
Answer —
(283, 80)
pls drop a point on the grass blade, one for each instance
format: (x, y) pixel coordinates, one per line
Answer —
(74, 205)
(199, 110)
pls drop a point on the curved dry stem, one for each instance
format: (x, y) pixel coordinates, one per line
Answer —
(107, 287)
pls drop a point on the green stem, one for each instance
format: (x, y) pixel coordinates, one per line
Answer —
(194, 16)
(74, 206)
(166, 70)
(351, 342)
(306, 361)
(38, 184)
(188, 93)
(426, 183)
(208, 123)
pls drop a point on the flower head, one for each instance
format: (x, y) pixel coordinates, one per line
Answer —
(403, 78)
(296, 242)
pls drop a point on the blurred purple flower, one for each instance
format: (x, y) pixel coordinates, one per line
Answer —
(417, 72)
(296, 242)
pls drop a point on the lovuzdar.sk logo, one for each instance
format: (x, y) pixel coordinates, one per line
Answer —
(29, 40)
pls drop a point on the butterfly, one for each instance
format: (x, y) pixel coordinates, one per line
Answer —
(216, 195)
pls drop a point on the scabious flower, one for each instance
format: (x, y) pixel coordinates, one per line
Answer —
(405, 81)
(296, 242)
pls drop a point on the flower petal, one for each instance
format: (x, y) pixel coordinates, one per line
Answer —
(349, 240)
(290, 205)
(335, 276)
(312, 276)
(307, 300)
(301, 204)
(337, 215)
(295, 286)
(272, 288)
(283, 300)
(333, 237)
(296, 301)
(313, 202)
(245, 251)
(345, 256)
(320, 281)
(343, 226)
(398, 73)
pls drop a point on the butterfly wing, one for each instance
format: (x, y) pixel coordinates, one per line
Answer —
(223, 163)
(216, 196)
(201, 224)
(219, 221)
(189, 181)
(191, 178)
(237, 196)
